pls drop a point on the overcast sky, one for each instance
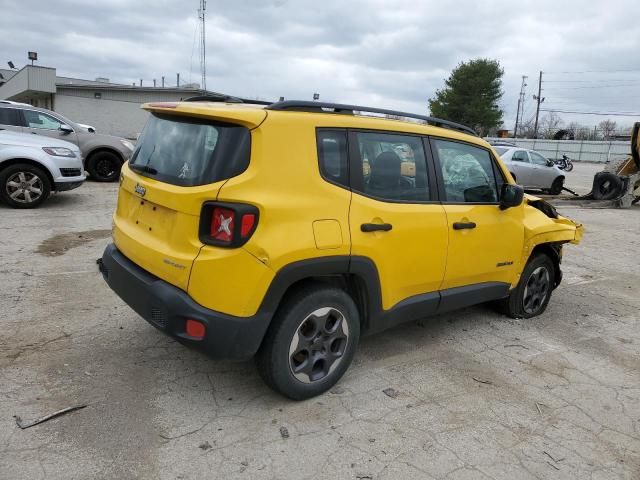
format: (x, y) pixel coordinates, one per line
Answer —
(388, 53)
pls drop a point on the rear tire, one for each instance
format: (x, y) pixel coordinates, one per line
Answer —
(533, 292)
(24, 186)
(310, 343)
(556, 186)
(104, 166)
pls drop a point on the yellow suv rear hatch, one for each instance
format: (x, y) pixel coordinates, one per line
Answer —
(184, 155)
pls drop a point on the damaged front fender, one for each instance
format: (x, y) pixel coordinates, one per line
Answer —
(543, 224)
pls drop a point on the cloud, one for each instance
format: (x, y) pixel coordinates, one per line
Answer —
(388, 53)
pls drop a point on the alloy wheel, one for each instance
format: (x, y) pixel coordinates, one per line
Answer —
(24, 187)
(318, 345)
(105, 167)
(536, 290)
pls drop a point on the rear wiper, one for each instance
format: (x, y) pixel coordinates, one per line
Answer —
(143, 168)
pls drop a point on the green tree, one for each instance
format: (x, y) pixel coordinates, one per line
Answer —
(471, 95)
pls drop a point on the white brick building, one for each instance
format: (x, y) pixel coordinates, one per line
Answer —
(110, 107)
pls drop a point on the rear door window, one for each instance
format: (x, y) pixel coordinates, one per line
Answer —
(520, 156)
(391, 167)
(188, 151)
(9, 116)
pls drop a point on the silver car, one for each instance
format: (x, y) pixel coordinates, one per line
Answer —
(31, 167)
(531, 170)
(103, 154)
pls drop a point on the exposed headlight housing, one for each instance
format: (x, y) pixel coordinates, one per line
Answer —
(127, 144)
(59, 152)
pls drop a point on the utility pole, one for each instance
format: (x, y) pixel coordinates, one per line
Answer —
(203, 44)
(520, 102)
(163, 81)
(178, 80)
(540, 99)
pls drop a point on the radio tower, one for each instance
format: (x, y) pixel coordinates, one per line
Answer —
(203, 45)
(520, 110)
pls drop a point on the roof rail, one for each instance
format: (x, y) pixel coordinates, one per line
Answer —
(322, 107)
(225, 99)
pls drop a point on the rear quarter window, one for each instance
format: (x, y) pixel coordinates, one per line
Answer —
(189, 152)
(333, 157)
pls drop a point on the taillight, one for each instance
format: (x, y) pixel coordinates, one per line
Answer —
(223, 223)
(227, 224)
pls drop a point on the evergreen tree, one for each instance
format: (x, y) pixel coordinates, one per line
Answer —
(471, 95)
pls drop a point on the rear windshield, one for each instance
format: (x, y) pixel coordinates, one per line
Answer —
(187, 151)
(501, 150)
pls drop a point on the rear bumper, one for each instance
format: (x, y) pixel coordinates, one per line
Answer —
(167, 308)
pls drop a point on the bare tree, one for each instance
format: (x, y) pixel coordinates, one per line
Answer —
(584, 133)
(573, 127)
(607, 128)
(526, 129)
(549, 125)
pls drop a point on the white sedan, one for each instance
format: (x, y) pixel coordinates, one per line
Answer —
(532, 170)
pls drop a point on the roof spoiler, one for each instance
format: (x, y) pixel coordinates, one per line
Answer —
(225, 99)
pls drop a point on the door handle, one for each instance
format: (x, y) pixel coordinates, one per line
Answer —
(464, 225)
(376, 227)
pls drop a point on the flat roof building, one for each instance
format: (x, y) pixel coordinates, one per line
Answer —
(111, 108)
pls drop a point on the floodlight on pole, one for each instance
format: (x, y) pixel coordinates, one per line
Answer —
(11, 65)
(33, 56)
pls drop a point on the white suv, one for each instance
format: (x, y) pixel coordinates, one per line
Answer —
(31, 167)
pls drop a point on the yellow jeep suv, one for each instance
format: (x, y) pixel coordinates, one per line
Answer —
(287, 231)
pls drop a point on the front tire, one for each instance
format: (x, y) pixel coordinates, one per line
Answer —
(533, 292)
(24, 186)
(104, 166)
(556, 186)
(310, 343)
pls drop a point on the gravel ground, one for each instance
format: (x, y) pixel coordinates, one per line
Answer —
(468, 395)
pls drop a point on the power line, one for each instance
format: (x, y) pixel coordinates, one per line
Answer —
(596, 86)
(593, 71)
(606, 114)
(590, 81)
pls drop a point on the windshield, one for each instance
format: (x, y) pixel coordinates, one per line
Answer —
(501, 150)
(187, 151)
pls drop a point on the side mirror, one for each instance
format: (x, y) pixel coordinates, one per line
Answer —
(550, 163)
(65, 129)
(511, 196)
